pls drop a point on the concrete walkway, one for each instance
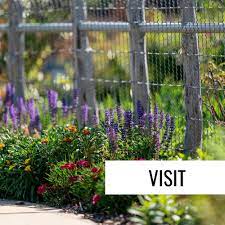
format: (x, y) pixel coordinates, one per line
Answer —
(31, 214)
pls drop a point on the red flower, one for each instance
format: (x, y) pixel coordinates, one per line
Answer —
(68, 166)
(83, 163)
(41, 189)
(95, 170)
(95, 199)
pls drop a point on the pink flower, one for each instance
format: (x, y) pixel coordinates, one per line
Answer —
(41, 189)
(95, 199)
(140, 159)
(68, 166)
(83, 163)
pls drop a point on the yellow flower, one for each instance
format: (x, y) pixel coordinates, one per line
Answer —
(27, 168)
(27, 161)
(71, 128)
(2, 146)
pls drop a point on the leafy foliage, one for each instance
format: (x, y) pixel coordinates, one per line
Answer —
(162, 210)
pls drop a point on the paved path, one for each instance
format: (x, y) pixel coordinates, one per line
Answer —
(31, 214)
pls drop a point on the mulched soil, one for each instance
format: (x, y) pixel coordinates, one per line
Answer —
(100, 218)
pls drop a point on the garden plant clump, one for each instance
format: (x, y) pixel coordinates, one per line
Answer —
(64, 164)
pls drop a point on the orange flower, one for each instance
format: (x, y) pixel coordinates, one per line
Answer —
(2, 146)
(44, 141)
(67, 139)
(71, 128)
(86, 131)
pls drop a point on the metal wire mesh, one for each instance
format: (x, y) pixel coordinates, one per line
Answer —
(49, 56)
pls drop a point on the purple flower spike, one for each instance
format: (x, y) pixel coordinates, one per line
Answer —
(156, 110)
(172, 124)
(111, 117)
(21, 105)
(52, 101)
(142, 121)
(107, 118)
(150, 121)
(13, 115)
(140, 110)
(128, 119)
(168, 120)
(123, 133)
(167, 128)
(31, 109)
(116, 127)
(64, 107)
(84, 114)
(161, 118)
(10, 93)
(112, 136)
(156, 118)
(156, 139)
(37, 121)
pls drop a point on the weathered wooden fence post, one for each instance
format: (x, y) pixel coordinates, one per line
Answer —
(83, 62)
(138, 56)
(16, 45)
(193, 99)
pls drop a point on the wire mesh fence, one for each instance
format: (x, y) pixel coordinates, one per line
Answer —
(116, 50)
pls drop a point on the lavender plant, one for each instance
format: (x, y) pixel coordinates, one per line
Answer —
(84, 114)
(139, 139)
(52, 101)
